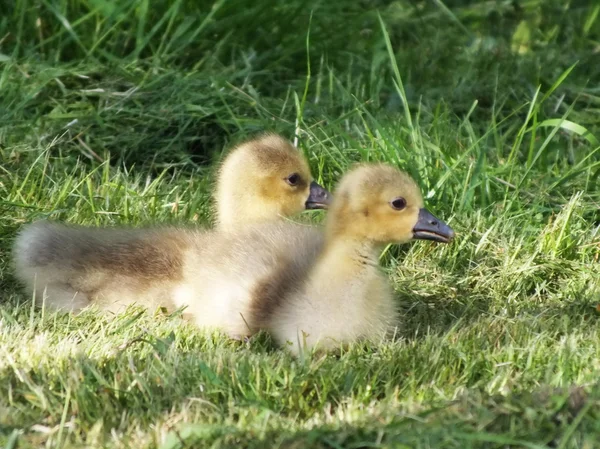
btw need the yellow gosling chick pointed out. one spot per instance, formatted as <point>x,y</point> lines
<point>71,267</point>
<point>264,179</point>
<point>344,296</point>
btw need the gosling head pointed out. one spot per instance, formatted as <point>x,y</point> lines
<point>380,204</point>
<point>265,179</point>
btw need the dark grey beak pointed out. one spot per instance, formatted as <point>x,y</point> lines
<point>318,197</point>
<point>430,228</point>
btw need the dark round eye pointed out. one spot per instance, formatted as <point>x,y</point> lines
<point>398,204</point>
<point>293,179</point>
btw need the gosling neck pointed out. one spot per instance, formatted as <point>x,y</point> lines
<point>351,255</point>
<point>235,209</point>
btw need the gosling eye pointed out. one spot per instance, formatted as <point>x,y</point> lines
<point>398,203</point>
<point>293,179</point>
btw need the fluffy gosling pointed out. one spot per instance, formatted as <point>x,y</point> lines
<point>71,267</point>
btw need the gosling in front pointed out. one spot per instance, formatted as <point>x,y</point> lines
<point>343,296</point>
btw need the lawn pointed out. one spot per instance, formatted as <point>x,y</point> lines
<point>117,113</point>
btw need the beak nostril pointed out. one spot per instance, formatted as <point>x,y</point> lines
<point>434,223</point>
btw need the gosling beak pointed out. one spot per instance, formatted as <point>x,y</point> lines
<point>318,197</point>
<point>430,228</point>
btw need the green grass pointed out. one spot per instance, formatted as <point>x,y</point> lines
<point>116,112</point>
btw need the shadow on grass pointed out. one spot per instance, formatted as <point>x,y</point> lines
<point>545,418</point>
<point>433,315</point>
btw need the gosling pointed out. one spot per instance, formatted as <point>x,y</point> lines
<point>343,296</point>
<point>71,267</point>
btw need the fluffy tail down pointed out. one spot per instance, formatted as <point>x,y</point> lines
<point>64,264</point>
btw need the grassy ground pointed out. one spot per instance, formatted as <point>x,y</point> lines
<point>115,112</point>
